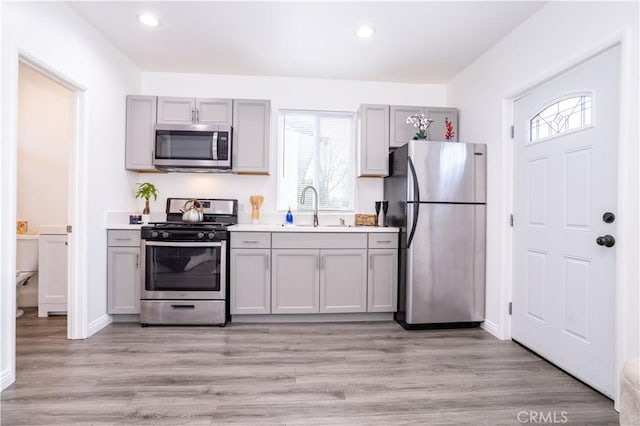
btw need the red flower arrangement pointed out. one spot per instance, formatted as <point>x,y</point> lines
<point>449,126</point>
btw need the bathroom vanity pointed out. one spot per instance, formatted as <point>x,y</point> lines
<point>52,266</point>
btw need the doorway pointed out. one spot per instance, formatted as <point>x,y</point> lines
<point>76,320</point>
<point>44,137</point>
<point>565,199</point>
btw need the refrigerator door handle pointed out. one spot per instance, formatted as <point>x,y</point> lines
<point>414,178</point>
<point>416,202</point>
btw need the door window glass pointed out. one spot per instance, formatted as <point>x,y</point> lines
<point>561,117</point>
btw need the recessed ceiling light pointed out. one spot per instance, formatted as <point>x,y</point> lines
<point>365,31</point>
<point>148,19</point>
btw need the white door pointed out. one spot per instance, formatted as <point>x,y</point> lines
<point>564,184</point>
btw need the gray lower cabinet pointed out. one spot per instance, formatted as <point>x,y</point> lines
<point>373,140</point>
<point>343,280</point>
<point>250,281</point>
<point>295,281</point>
<point>140,133</point>
<point>311,273</point>
<point>319,281</point>
<point>123,272</point>
<point>383,280</point>
<point>251,136</point>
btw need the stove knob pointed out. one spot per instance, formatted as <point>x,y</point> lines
<point>154,234</point>
<point>211,235</point>
<point>200,235</point>
<point>165,235</point>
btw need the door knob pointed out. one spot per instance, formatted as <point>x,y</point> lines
<point>606,240</point>
<point>608,217</point>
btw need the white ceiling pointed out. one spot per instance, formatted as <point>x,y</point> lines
<point>415,42</point>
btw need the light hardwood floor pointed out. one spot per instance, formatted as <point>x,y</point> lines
<point>349,373</point>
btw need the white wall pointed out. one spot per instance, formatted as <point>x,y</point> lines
<point>44,136</point>
<point>284,93</point>
<point>553,39</point>
<point>54,36</point>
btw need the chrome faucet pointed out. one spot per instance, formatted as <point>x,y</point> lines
<point>315,204</point>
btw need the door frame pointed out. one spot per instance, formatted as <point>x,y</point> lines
<point>625,163</point>
<point>77,288</point>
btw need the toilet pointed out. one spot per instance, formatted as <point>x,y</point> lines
<point>26,262</point>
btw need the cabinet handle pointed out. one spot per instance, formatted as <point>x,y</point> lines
<point>197,116</point>
<point>193,115</point>
<point>123,239</point>
<point>370,261</point>
<point>384,241</point>
<point>137,261</point>
<point>250,241</point>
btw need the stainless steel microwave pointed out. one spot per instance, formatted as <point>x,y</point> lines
<point>192,147</point>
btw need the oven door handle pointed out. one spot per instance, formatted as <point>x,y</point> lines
<point>181,244</point>
<point>183,306</point>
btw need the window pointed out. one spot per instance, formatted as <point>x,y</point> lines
<point>561,117</point>
<point>316,148</point>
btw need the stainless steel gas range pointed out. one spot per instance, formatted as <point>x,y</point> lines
<point>184,278</point>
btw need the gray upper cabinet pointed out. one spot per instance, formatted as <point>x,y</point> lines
<point>215,112</point>
<point>373,140</point>
<point>173,110</point>
<point>401,132</point>
<point>437,131</point>
<point>176,110</point>
<point>140,133</point>
<point>251,136</point>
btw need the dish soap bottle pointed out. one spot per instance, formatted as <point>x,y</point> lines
<point>289,217</point>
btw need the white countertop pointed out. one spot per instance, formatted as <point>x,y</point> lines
<point>123,226</point>
<point>308,228</point>
<point>53,230</point>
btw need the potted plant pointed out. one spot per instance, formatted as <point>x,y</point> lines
<point>146,190</point>
<point>422,123</point>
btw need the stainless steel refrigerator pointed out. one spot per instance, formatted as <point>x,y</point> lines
<point>437,194</point>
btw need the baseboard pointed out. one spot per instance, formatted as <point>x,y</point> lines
<point>284,318</point>
<point>491,328</point>
<point>6,378</point>
<point>126,317</point>
<point>99,324</point>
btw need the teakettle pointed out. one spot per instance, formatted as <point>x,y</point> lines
<point>192,211</point>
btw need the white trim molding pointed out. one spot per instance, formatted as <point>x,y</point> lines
<point>6,378</point>
<point>98,324</point>
<point>626,306</point>
<point>492,328</point>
